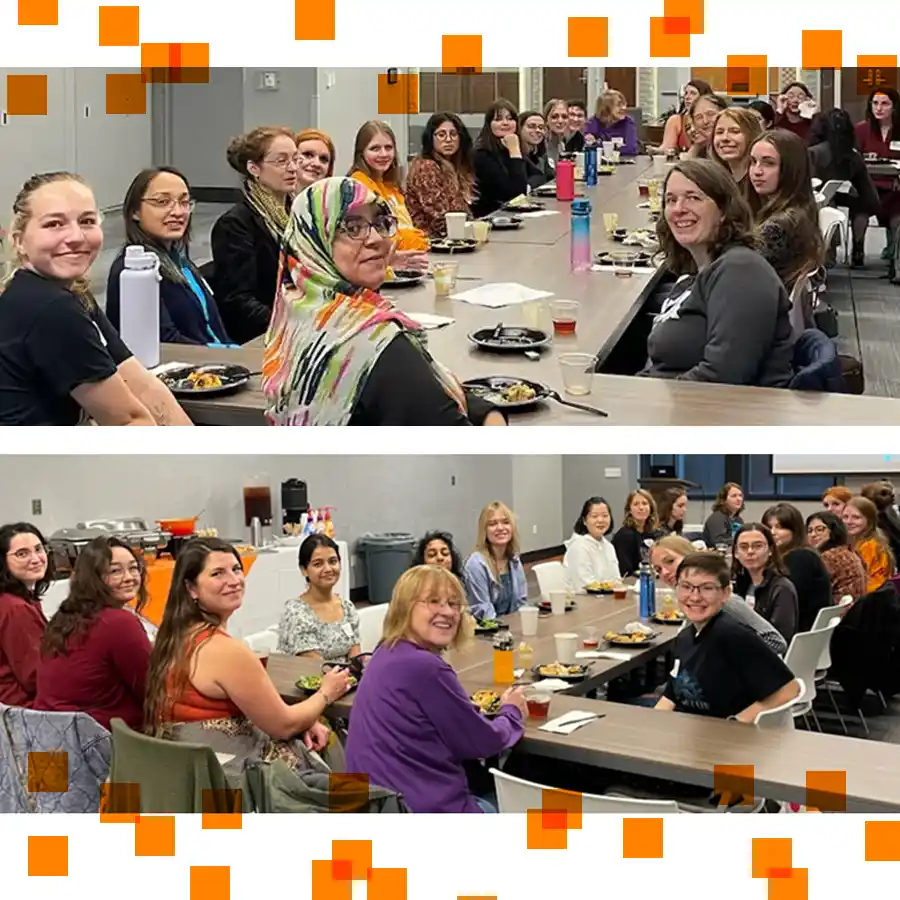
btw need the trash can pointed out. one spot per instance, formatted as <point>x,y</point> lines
<point>387,557</point>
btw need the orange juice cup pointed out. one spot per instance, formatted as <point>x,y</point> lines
<point>504,666</point>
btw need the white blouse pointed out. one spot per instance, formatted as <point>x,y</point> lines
<point>588,561</point>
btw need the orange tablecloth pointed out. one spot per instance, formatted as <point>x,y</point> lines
<point>159,582</point>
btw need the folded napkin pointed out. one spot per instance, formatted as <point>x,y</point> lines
<point>603,654</point>
<point>495,295</point>
<point>429,321</point>
<point>536,214</point>
<point>554,684</point>
<point>569,722</point>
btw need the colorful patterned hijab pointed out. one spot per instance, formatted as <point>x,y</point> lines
<point>327,334</point>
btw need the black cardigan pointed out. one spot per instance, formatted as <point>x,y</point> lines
<point>246,260</point>
<point>775,599</point>
<point>812,582</point>
<point>630,549</point>
<point>498,179</point>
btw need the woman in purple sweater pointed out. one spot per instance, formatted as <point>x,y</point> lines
<point>611,122</point>
<point>413,724</point>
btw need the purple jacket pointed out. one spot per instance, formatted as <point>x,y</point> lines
<point>625,128</point>
<point>412,726</point>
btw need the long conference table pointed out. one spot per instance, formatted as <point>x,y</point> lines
<point>537,255</point>
<point>641,741</point>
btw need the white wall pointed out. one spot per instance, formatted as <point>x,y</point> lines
<point>537,500</point>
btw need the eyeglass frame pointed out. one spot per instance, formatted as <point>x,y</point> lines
<point>170,203</point>
<point>363,236</point>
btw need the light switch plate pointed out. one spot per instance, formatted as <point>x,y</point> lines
<point>612,472</point>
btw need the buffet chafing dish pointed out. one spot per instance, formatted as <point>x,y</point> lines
<point>66,544</point>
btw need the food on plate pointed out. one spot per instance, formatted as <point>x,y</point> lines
<point>521,200</point>
<point>206,532</point>
<point>640,237</point>
<point>201,381</point>
<point>489,624</point>
<point>487,701</point>
<point>637,628</point>
<point>669,615</point>
<point>620,638</point>
<point>600,586</point>
<point>314,682</point>
<point>519,393</point>
<point>558,670</point>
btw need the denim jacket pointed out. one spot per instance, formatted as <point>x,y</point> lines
<point>483,588</point>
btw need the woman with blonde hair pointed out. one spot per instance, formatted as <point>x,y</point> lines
<point>610,121</point>
<point>61,360</point>
<point>375,165</point>
<point>495,578</point>
<point>861,518</point>
<point>556,115</point>
<point>734,132</point>
<point>414,724</point>
<point>641,524</point>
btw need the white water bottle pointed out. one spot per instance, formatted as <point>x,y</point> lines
<point>139,305</point>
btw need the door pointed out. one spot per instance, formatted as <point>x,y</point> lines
<point>624,80</point>
<point>564,84</point>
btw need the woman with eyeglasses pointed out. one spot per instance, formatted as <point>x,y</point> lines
<point>157,213</point>
<point>828,535</point>
<point>95,652</point>
<point>538,167</point>
<point>246,240</point>
<point>338,352</point>
<point>24,579</point>
<point>414,725</point>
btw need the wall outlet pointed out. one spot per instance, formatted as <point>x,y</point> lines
<point>37,507</point>
<point>452,481</point>
<point>534,529</point>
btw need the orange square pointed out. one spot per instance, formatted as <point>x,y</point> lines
<point>357,854</point>
<point>747,75</point>
<point>821,49</point>
<point>460,53</point>
<point>154,836</point>
<point>769,854</point>
<point>348,792</point>
<point>732,782</point>
<point>588,36</point>
<point>398,94</point>
<point>539,837</point>
<point>688,9</point>
<point>26,95</point>
<point>569,802</point>
<point>794,888</point>
<point>386,884</point>
<point>48,773</point>
<point>48,856</point>
<point>642,838</point>
<point>325,886</point>
<point>314,21</point>
<point>882,841</point>
<point>120,804</point>
<point>39,12</point>
<point>120,26</point>
<point>827,791</point>
<point>210,883</point>
<point>221,810</point>
<point>126,94</point>
<point>664,44</point>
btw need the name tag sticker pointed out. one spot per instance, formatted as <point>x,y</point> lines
<point>675,668</point>
<point>348,629</point>
<point>895,146</point>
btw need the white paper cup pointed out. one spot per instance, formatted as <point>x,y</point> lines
<point>528,620</point>
<point>607,148</point>
<point>566,647</point>
<point>456,226</point>
<point>558,602</point>
<point>618,142</point>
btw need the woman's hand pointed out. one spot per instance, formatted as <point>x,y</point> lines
<point>409,260</point>
<point>335,684</point>
<point>511,142</point>
<point>494,418</point>
<point>590,140</point>
<point>515,697</point>
<point>317,737</point>
<point>781,104</point>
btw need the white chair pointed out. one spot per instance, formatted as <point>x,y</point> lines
<point>801,316</point>
<point>551,576</point>
<point>816,183</point>
<point>265,642</point>
<point>802,658</point>
<point>832,187</point>
<point>835,221</point>
<point>781,716</point>
<point>371,624</point>
<point>516,795</point>
<point>823,620</point>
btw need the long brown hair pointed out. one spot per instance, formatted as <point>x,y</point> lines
<point>789,517</point>
<point>668,498</point>
<point>183,620</point>
<point>870,511</point>
<point>487,140</point>
<point>719,505</point>
<point>735,229</point>
<point>793,205</point>
<point>652,523</point>
<point>394,174</point>
<point>776,560</point>
<point>89,594</point>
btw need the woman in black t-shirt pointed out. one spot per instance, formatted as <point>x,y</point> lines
<point>641,524</point>
<point>500,172</point>
<point>60,359</point>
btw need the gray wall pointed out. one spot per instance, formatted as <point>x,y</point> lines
<point>588,476</point>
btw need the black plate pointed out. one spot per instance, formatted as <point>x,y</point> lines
<point>447,246</point>
<point>524,207</point>
<point>492,713</point>
<point>570,678</point>
<point>620,234</point>
<point>491,387</point>
<point>598,592</point>
<point>506,223</point>
<point>642,259</point>
<point>405,278</point>
<point>233,377</point>
<point>668,621</point>
<point>650,638</point>
<point>510,338</point>
<point>481,629</point>
<point>311,690</point>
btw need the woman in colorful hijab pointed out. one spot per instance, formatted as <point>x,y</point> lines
<point>337,352</point>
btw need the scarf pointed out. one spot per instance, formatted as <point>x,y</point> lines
<point>272,211</point>
<point>326,334</point>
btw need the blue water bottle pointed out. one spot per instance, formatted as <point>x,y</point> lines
<point>581,236</point>
<point>590,167</point>
<point>647,591</point>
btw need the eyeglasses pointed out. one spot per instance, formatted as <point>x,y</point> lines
<point>446,135</point>
<point>170,203</point>
<point>27,552</point>
<point>751,548</point>
<point>358,229</point>
<point>817,529</point>
<point>282,162</point>
<point>436,605</point>
<point>707,590</point>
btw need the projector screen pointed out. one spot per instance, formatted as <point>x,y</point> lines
<point>838,464</point>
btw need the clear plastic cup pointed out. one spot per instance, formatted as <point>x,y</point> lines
<point>481,230</point>
<point>610,222</point>
<point>538,703</point>
<point>623,263</point>
<point>564,315</point>
<point>577,373</point>
<point>445,275</point>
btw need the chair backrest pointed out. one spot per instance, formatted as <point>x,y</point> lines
<point>824,618</point>
<point>172,776</point>
<point>516,795</point>
<point>551,576</point>
<point>804,653</point>
<point>832,187</point>
<point>830,220</point>
<point>371,626</point>
<point>801,315</point>
<point>781,716</point>
<point>262,642</point>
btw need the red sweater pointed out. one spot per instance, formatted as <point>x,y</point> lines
<point>22,625</point>
<point>103,674</point>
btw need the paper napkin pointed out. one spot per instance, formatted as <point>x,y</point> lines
<point>604,654</point>
<point>429,321</point>
<point>500,294</point>
<point>569,722</point>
